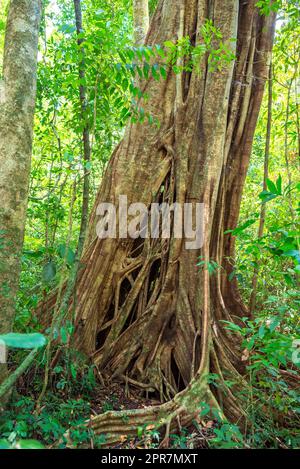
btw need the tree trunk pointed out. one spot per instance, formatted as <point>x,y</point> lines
<point>145,311</point>
<point>17,99</point>
<point>86,131</point>
<point>141,20</point>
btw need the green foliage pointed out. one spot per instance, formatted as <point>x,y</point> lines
<point>269,352</point>
<point>280,242</point>
<point>11,443</point>
<point>227,436</point>
<point>267,6</point>
<point>49,271</point>
<point>73,375</point>
<point>183,56</point>
<point>211,266</point>
<point>59,423</point>
<point>268,341</point>
<point>274,190</point>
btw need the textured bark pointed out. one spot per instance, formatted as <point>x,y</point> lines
<point>86,131</point>
<point>141,20</point>
<point>145,313</point>
<point>17,99</point>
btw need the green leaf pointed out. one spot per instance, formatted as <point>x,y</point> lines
<point>204,409</point>
<point>67,28</point>
<point>34,254</point>
<point>271,186</point>
<point>245,225</point>
<point>163,73</point>
<point>4,444</point>
<point>279,185</point>
<point>67,254</point>
<point>24,341</point>
<point>64,335</point>
<point>73,371</point>
<point>266,196</point>
<point>170,44</point>
<point>124,113</point>
<point>232,326</point>
<point>274,323</point>
<point>295,253</point>
<point>261,331</point>
<point>146,69</point>
<point>140,432</point>
<point>49,272</point>
<point>155,74</point>
<point>29,444</point>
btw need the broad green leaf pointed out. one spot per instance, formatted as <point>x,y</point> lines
<point>34,254</point>
<point>146,69</point>
<point>245,225</point>
<point>4,444</point>
<point>29,444</point>
<point>170,44</point>
<point>261,331</point>
<point>271,186</point>
<point>279,185</point>
<point>163,72</point>
<point>64,335</point>
<point>266,196</point>
<point>67,254</point>
<point>155,74</point>
<point>49,272</point>
<point>23,341</point>
<point>295,253</point>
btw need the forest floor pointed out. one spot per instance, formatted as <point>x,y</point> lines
<point>115,396</point>
<point>62,419</point>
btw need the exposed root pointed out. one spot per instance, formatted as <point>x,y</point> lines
<point>117,424</point>
<point>181,411</point>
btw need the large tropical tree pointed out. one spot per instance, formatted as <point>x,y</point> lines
<point>145,311</point>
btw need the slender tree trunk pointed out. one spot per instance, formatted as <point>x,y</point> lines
<point>86,128</point>
<point>17,99</point>
<point>141,20</point>
<point>144,311</point>
<point>266,175</point>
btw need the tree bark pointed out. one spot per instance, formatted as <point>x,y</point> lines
<point>17,99</point>
<point>141,20</point>
<point>145,311</point>
<point>86,130</point>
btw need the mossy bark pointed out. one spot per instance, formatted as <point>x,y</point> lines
<point>141,20</point>
<point>17,101</point>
